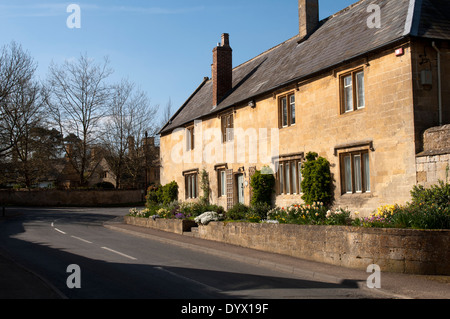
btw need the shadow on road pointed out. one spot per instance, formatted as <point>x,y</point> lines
<point>109,280</point>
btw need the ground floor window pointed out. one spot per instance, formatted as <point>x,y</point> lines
<point>289,177</point>
<point>222,182</point>
<point>355,172</point>
<point>191,185</point>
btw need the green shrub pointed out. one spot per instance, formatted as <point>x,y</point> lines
<point>258,211</point>
<point>204,185</point>
<point>316,180</point>
<point>153,195</point>
<point>424,216</point>
<point>169,193</point>
<point>195,209</point>
<point>262,183</point>
<point>429,209</point>
<point>438,195</point>
<point>237,212</point>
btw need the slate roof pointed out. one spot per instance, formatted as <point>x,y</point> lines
<point>339,38</point>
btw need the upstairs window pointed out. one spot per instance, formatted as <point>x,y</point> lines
<point>286,110</point>
<point>190,142</point>
<point>227,128</point>
<point>352,91</point>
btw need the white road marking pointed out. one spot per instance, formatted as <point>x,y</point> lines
<point>81,239</point>
<point>60,231</point>
<point>89,242</point>
<point>119,253</point>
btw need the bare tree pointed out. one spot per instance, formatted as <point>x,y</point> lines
<point>16,71</point>
<point>79,95</point>
<point>130,120</point>
<point>24,114</point>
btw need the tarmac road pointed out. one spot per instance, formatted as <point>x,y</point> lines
<point>118,261</point>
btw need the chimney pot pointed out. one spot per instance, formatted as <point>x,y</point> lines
<point>225,40</point>
<point>308,12</point>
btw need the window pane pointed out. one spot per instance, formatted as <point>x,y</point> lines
<point>224,129</point>
<point>189,187</point>
<point>366,172</point>
<point>348,174</point>
<point>223,183</point>
<point>292,107</point>
<point>360,87</point>
<point>348,93</point>
<point>358,174</point>
<point>284,112</point>
<point>230,131</point>
<point>188,140</point>
<point>294,178</point>
<point>288,178</point>
<point>281,173</point>
<point>194,186</point>
<point>299,177</point>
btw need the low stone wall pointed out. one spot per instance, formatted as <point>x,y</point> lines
<point>424,252</point>
<point>394,250</point>
<point>70,197</point>
<point>177,226</point>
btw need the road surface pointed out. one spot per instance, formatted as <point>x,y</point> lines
<point>72,250</point>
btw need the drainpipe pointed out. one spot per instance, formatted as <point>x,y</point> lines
<point>439,81</point>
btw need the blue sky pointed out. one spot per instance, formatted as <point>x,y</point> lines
<point>165,47</point>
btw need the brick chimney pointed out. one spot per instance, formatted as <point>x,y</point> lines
<point>222,69</point>
<point>308,14</point>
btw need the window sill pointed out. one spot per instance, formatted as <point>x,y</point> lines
<point>357,111</point>
<point>353,195</point>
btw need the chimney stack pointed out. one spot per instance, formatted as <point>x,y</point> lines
<point>308,13</point>
<point>222,69</point>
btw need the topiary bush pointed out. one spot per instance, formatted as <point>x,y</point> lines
<point>316,180</point>
<point>262,183</point>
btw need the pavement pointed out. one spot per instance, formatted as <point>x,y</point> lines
<point>17,282</point>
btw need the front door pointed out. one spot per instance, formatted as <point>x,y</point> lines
<point>240,188</point>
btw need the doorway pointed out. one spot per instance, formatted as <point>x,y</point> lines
<point>240,188</point>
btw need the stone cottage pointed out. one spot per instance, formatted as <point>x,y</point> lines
<point>359,88</point>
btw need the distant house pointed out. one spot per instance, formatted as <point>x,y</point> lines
<point>144,161</point>
<point>359,88</point>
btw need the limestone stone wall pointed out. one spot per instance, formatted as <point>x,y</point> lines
<point>167,225</point>
<point>76,198</point>
<point>394,250</point>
